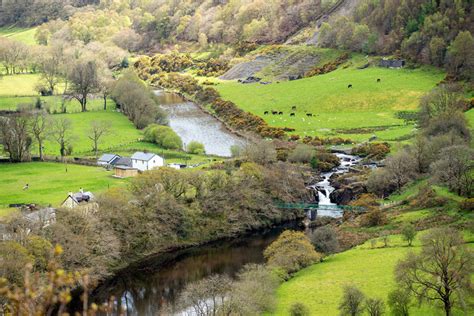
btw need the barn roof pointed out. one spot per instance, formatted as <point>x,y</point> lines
<point>143,156</point>
<point>108,157</point>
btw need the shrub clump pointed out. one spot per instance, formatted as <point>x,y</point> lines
<point>467,205</point>
<point>163,136</point>
<point>291,252</point>
<point>196,148</point>
<point>372,150</point>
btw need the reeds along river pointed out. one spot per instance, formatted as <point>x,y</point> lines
<point>191,123</point>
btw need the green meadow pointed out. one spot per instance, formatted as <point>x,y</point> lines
<point>19,85</point>
<point>25,35</point>
<point>49,183</point>
<point>320,286</point>
<point>338,110</point>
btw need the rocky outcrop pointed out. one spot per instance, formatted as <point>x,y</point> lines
<point>348,186</point>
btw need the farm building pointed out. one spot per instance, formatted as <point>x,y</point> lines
<point>392,63</point>
<point>125,172</point>
<point>107,160</point>
<point>75,199</point>
<point>177,166</point>
<point>146,161</point>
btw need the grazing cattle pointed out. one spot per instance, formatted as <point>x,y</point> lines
<point>309,114</point>
<point>274,112</point>
<point>349,86</point>
<point>293,108</point>
<point>265,113</point>
<point>280,113</point>
<point>292,114</point>
<point>378,80</point>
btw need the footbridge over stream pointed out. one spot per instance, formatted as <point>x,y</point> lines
<point>320,207</point>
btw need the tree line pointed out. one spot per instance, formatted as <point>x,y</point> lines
<point>430,32</point>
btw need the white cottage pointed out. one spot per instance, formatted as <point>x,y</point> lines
<point>107,160</point>
<point>146,161</point>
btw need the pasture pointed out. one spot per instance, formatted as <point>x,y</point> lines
<point>25,35</point>
<point>319,286</point>
<point>54,103</point>
<point>49,183</point>
<point>367,108</point>
<point>19,85</point>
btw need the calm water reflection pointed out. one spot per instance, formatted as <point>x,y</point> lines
<point>191,123</point>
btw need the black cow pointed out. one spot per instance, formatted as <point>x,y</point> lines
<point>349,86</point>
<point>274,112</point>
<point>293,107</point>
<point>280,113</point>
<point>309,114</point>
<point>292,114</point>
<point>378,80</point>
<point>265,113</point>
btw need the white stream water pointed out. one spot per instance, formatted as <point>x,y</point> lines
<point>324,187</point>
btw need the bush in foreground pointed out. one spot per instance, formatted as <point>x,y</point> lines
<point>163,136</point>
<point>292,251</point>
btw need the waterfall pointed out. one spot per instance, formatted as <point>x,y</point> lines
<point>324,187</point>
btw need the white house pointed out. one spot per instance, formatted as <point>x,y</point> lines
<point>146,161</point>
<point>107,160</point>
<point>75,199</point>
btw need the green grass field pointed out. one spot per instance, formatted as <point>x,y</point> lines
<point>50,182</point>
<point>53,103</point>
<point>121,131</point>
<point>336,109</point>
<point>25,35</point>
<point>19,85</point>
<point>319,287</point>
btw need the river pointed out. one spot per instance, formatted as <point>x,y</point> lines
<point>153,286</point>
<point>191,123</point>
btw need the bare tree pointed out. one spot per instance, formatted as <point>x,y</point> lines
<point>454,169</point>
<point>401,167</point>
<point>51,65</point>
<point>441,272</point>
<point>39,124</point>
<point>62,134</point>
<point>15,136</point>
<point>97,130</point>
<point>375,306</point>
<point>84,80</point>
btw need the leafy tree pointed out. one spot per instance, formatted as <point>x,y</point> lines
<point>441,272</point>
<point>291,251</point>
<point>461,57</point>
<point>375,306</point>
<point>352,301</point>
<point>14,258</point>
<point>454,169</point>
<point>409,233</point>
<point>299,309</point>
<point>399,301</point>
<point>195,147</point>
<point>164,136</point>
<point>325,240</point>
<point>39,249</point>
<point>84,80</point>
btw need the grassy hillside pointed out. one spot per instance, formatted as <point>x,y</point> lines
<point>25,35</point>
<point>19,85</point>
<point>50,182</point>
<point>338,110</point>
<point>319,287</point>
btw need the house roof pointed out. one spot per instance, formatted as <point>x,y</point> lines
<point>123,162</point>
<point>108,157</point>
<point>43,214</point>
<point>143,156</point>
